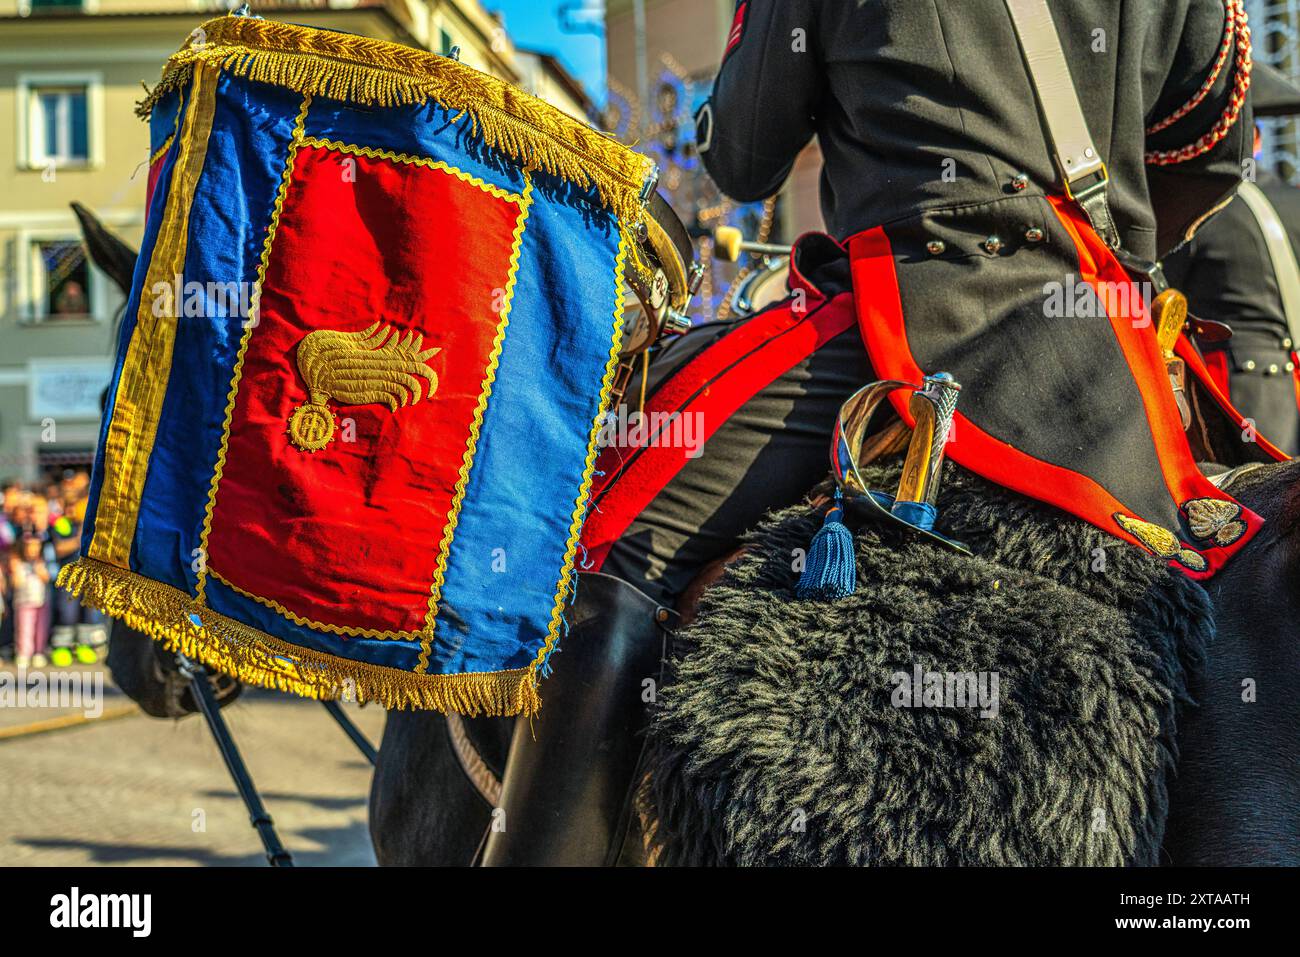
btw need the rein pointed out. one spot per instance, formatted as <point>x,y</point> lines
<point>276,853</point>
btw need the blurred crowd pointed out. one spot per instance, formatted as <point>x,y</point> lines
<point>40,532</point>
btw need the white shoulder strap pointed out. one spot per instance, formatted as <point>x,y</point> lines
<point>1082,170</point>
<point>1280,253</point>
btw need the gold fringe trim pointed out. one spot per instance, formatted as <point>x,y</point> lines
<point>166,614</point>
<point>379,73</point>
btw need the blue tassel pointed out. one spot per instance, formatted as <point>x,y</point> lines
<point>830,571</point>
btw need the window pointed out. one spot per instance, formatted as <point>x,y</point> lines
<point>61,284</point>
<point>35,7</point>
<point>445,43</point>
<point>60,120</point>
<point>61,125</point>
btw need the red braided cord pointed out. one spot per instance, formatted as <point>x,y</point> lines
<point>1240,86</point>
<point>1229,34</point>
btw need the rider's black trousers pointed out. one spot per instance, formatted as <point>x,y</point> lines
<point>744,418</point>
<point>757,399</point>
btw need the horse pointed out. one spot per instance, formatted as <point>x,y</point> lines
<point>1235,797</point>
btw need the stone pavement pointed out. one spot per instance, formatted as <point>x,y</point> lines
<point>138,790</point>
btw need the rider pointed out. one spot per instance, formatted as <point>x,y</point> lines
<point>1228,274</point>
<point>940,190</point>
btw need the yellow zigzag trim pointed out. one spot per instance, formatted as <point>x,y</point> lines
<point>167,144</point>
<point>297,619</point>
<point>171,138</point>
<point>471,446</point>
<point>379,73</point>
<point>580,505</point>
<point>164,614</point>
<point>250,323</point>
<point>426,161</point>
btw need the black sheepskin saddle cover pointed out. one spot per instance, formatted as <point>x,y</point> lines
<point>782,736</point>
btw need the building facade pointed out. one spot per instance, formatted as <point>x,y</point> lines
<point>70,74</point>
<point>690,35</point>
<point>1275,36</point>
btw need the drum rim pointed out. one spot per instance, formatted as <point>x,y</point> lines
<point>531,132</point>
<point>358,69</point>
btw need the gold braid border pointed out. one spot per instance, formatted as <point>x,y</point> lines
<point>581,504</point>
<point>164,614</point>
<point>379,73</point>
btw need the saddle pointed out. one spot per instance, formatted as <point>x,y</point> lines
<point>781,737</point>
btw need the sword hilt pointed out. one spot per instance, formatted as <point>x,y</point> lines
<point>1169,313</point>
<point>933,406</point>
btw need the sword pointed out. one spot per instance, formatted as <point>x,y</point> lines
<point>933,406</point>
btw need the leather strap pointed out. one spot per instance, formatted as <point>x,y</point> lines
<point>1280,252</point>
<point>1083,174</point>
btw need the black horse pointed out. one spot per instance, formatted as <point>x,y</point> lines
<point>1235,799</point>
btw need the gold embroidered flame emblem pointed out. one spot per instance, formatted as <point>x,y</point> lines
<point>1216,520</point>
<point>1163,542</point>
<point>377,364</point>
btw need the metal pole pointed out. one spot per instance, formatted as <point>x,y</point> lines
<point>276,855</point>
<point>352,731</point>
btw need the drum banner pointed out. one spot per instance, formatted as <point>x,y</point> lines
<point>352,424</point>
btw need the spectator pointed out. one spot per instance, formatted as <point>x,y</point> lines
<point>4,592</point>
<point>78,630</point>
<point>12,495</point>
<point>29,577</point>
<point>49,514</point>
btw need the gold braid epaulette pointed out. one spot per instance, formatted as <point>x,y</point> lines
<point>379,73</point>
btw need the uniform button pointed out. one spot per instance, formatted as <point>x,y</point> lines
<point>1286,343</point>
<point>936,247</point>
<point>993,245</point>
<point>1034,234</point>
<point>1019,181</point>
<point>1290,367</point>
<point>1249,365</point>
<point>1273,369</point>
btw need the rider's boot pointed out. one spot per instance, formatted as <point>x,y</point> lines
<point>569,781</point>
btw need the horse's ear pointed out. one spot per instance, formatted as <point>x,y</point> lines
<point>107,251</point>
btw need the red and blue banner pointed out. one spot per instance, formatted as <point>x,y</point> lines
<point>352,425</point>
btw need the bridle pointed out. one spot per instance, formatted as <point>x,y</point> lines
<point>194,677</point>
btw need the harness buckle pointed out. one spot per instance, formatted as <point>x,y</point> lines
<point>1082,186</point>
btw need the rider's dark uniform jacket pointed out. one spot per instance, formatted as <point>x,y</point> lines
<point>1227,274</point>
<point>966,256</point>
<point>920,105</point>
<point>1052,405</point>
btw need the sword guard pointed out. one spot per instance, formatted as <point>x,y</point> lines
<point>933,405</point>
